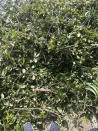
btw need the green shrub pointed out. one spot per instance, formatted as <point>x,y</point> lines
<point>51,45</point>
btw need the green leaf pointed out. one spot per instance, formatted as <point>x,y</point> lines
<point>2,96</point>
<point>22,86</point>
<point>90,89</point>
<point>93,87</point>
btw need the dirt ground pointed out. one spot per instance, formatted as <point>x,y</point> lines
<point>84,125</point>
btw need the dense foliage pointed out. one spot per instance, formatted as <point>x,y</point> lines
<point>51,45</point>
